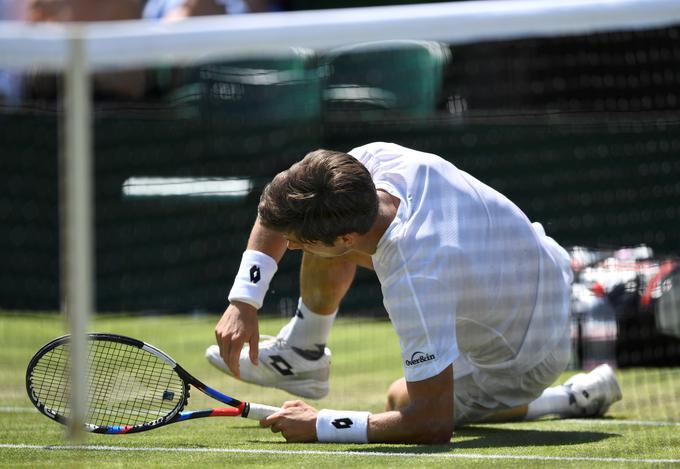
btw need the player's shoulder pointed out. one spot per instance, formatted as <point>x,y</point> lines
<point>375,148</point>
<point>386,151</point>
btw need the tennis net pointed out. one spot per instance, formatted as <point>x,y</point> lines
<point>571,109</point>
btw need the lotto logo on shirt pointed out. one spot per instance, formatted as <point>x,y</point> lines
<point>419,357</point>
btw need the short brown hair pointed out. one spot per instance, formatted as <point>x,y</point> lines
<point>326,195</point>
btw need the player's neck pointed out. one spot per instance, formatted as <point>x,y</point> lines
<point>387,211</point>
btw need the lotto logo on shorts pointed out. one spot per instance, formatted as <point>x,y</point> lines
<point>419,357</point>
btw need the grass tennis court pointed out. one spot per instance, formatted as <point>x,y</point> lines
<point>643,430</point>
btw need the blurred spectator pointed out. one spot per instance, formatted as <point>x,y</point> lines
<point>83,10</point>
<point>129,84</point>
<point>178,9</point>
<point>10,81</point>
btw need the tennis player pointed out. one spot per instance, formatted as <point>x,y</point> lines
<point>478,295</point>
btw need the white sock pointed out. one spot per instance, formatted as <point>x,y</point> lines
<point>554,401</point>
<point>307,329</point>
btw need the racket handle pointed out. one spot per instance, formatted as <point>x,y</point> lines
<point>260,411</point>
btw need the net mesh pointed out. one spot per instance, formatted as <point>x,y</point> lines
<point>579,127</point>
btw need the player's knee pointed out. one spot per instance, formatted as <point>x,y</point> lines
<point>397,395</point>
<point>321,301</point>
<point>324,282</point>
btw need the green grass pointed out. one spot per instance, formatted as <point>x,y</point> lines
<point>365,361</point>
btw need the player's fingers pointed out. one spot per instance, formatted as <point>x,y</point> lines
<point>275,428</point>
<point>254,348</point>
<point>224,349</point>
<point>233,356</point>
<point>289,404</point>
<point>270,419</point>
<point>266,422</point>
<point>223,343</point>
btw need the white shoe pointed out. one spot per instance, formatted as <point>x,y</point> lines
<point>301,372</point>
<point>594,392</point>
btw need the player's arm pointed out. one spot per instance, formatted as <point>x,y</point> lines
<point>238,325</point>
<point>267,241</point>
<point>428,418</point>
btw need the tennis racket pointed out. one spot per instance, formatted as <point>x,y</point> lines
<point>132,387</point>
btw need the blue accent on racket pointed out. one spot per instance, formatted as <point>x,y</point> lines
<point>133,387</point>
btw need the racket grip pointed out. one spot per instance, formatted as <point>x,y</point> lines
<point>260,411</point>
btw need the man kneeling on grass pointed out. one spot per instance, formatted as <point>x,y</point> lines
<point>478,295</point>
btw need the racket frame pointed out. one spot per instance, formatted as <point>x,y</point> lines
<point>238,408</point>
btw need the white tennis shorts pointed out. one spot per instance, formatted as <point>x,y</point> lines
<point>479,393</point>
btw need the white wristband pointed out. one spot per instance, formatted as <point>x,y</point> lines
<point>342,426</point>
<point>253,277</point>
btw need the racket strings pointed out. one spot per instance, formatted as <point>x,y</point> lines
<point>130,386</point>
<point>126,385</point>
<point>51,380</point>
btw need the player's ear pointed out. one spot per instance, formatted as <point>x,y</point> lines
<point>348,239</point>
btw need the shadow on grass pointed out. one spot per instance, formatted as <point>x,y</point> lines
<point>485,437</point>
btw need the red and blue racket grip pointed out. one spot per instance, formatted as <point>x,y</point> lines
<point>180,417</point>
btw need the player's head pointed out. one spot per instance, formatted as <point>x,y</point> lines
<point>326,195</point>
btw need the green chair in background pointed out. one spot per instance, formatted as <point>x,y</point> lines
<point>281,88</point>
<point>402,77</point>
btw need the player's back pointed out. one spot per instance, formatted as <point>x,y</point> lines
<point>492,267</point>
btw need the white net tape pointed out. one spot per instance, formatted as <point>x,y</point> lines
<point>117,44</point>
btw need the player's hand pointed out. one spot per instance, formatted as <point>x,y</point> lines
<point>296,421</point>
<point>237,326</point>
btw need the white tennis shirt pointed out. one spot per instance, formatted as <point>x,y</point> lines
<point>462,269</point>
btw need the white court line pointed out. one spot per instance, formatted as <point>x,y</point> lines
<point>366,454</point>
<point>643,423</point>
<point>16,409</point>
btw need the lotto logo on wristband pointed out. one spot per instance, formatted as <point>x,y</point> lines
<point>342,426</point>
<point>255,274</point>
<point>252,280</point>
<point>342,423</point>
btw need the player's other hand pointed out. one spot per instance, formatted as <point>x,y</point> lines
<point>296,421</point>
<point>237,326</point>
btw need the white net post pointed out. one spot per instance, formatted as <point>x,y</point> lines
<point>77,222</point>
